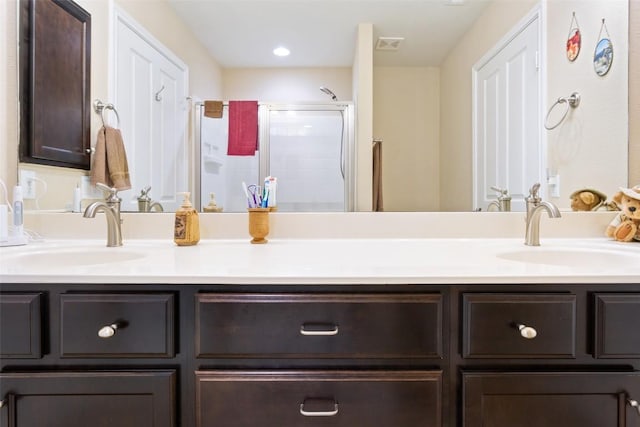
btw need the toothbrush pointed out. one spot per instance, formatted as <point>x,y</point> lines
<point>246,193</point>
<point>265,193</point>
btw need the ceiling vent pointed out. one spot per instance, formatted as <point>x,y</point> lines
<point>389,43</point>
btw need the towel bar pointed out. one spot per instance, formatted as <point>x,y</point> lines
<point>99,107</point>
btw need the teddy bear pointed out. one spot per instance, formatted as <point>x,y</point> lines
<point>625,227</point>
<point>587,200</point>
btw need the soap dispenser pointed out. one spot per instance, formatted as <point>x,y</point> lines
<point>187,225</point>
<point>212,206</point>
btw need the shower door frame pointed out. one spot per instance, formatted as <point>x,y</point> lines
<point>348,133</point>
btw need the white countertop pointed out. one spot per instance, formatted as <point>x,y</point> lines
<point>324,261</point>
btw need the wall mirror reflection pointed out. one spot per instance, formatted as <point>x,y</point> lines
<point>419,75</point>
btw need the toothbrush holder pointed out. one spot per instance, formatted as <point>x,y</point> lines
<point>258,224</point>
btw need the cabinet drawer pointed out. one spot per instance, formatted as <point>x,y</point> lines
<point>312,398</point>
<point>617,322</point>
<point>117,325</point>
<point>519,325</point>
<point>134,398</point>
<point>319,325</point>
<point>21,326</point>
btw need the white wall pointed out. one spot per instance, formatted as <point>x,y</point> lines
<point>584,152</point>
<point>363,98</point>
<point>285,84</point>
<point>406,116</point>
<point>587,147</point>
<point>456,192</point>
<point>8,96</point>
<point>634,93</point>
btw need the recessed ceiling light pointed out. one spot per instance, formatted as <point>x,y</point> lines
<point>281,51</point>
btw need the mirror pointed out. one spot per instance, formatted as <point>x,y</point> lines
<point>426,160</point>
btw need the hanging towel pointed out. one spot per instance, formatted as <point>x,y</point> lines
<point>243,128</point>
<point>377,177</point>
<point>110,165</point>
<point>213,109</point>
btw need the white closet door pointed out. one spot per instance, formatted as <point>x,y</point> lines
<point>507,134</point>
<point>150,95</point>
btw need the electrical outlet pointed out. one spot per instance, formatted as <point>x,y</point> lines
<point>28,184</point>
<point>554,185</point>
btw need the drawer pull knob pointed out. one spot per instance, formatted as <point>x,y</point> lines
<point>108,331</point>
<point>635,404</point>
<point>333,330</point>
<point>10,402</point>
<point>319,413</point>
<point>527,331</point>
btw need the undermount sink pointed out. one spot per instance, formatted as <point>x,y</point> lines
<point>73,257</point>
<point>573,257</point>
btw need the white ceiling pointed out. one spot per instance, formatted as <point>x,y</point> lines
<point>322,33</point>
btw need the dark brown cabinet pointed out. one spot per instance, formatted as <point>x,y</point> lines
<point>319,325</point>
<point>197,355</point>
<point>55,70</point>
<point>81,399</point>
<point>327,398</point>
<point>519,325</point>
<point>551,399</point>
<point>20,325</point>
<point>117,325</point>
<point>617,322</point>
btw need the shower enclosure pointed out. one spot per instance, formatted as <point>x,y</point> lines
<point>307,147</point>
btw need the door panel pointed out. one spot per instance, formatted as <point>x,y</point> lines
<point>507,144</point>
<point>21,325</point>
<point>81,399</point>
<point>150,96</point>
<point>546,399</point>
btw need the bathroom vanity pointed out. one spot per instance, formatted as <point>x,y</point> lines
<point>351,332</point>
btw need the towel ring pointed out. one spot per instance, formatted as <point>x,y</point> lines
<point>99,107</point>
<point>572,102</point>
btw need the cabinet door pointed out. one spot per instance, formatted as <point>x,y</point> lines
<point>20,326</point>
<point>617,316</point>
<point>544,399</point>
<point>55,99</point>
<point>313,398</point>
<point>82,399</point>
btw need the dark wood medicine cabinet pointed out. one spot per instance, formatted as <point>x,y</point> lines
<point>55,69</point>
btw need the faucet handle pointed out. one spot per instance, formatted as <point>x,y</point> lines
<point>502,194</point>
<point>113,192</point>
<point>534,193</point>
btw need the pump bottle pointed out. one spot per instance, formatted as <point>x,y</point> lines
<point>187,225</point>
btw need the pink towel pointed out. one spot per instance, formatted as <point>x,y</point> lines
<point>243,128</point>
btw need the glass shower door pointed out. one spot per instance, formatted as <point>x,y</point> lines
<point>307,148</point>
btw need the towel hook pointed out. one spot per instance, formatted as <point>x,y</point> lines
<point>572,102</point>
<point>158,96</point>
<point>99,107</point>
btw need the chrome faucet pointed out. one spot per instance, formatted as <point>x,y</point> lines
<point>503,202</point>
<point>535,206</point>
<point>145,204</point>
<point>111,209</point>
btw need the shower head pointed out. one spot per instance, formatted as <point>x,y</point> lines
<point>329,92</point>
